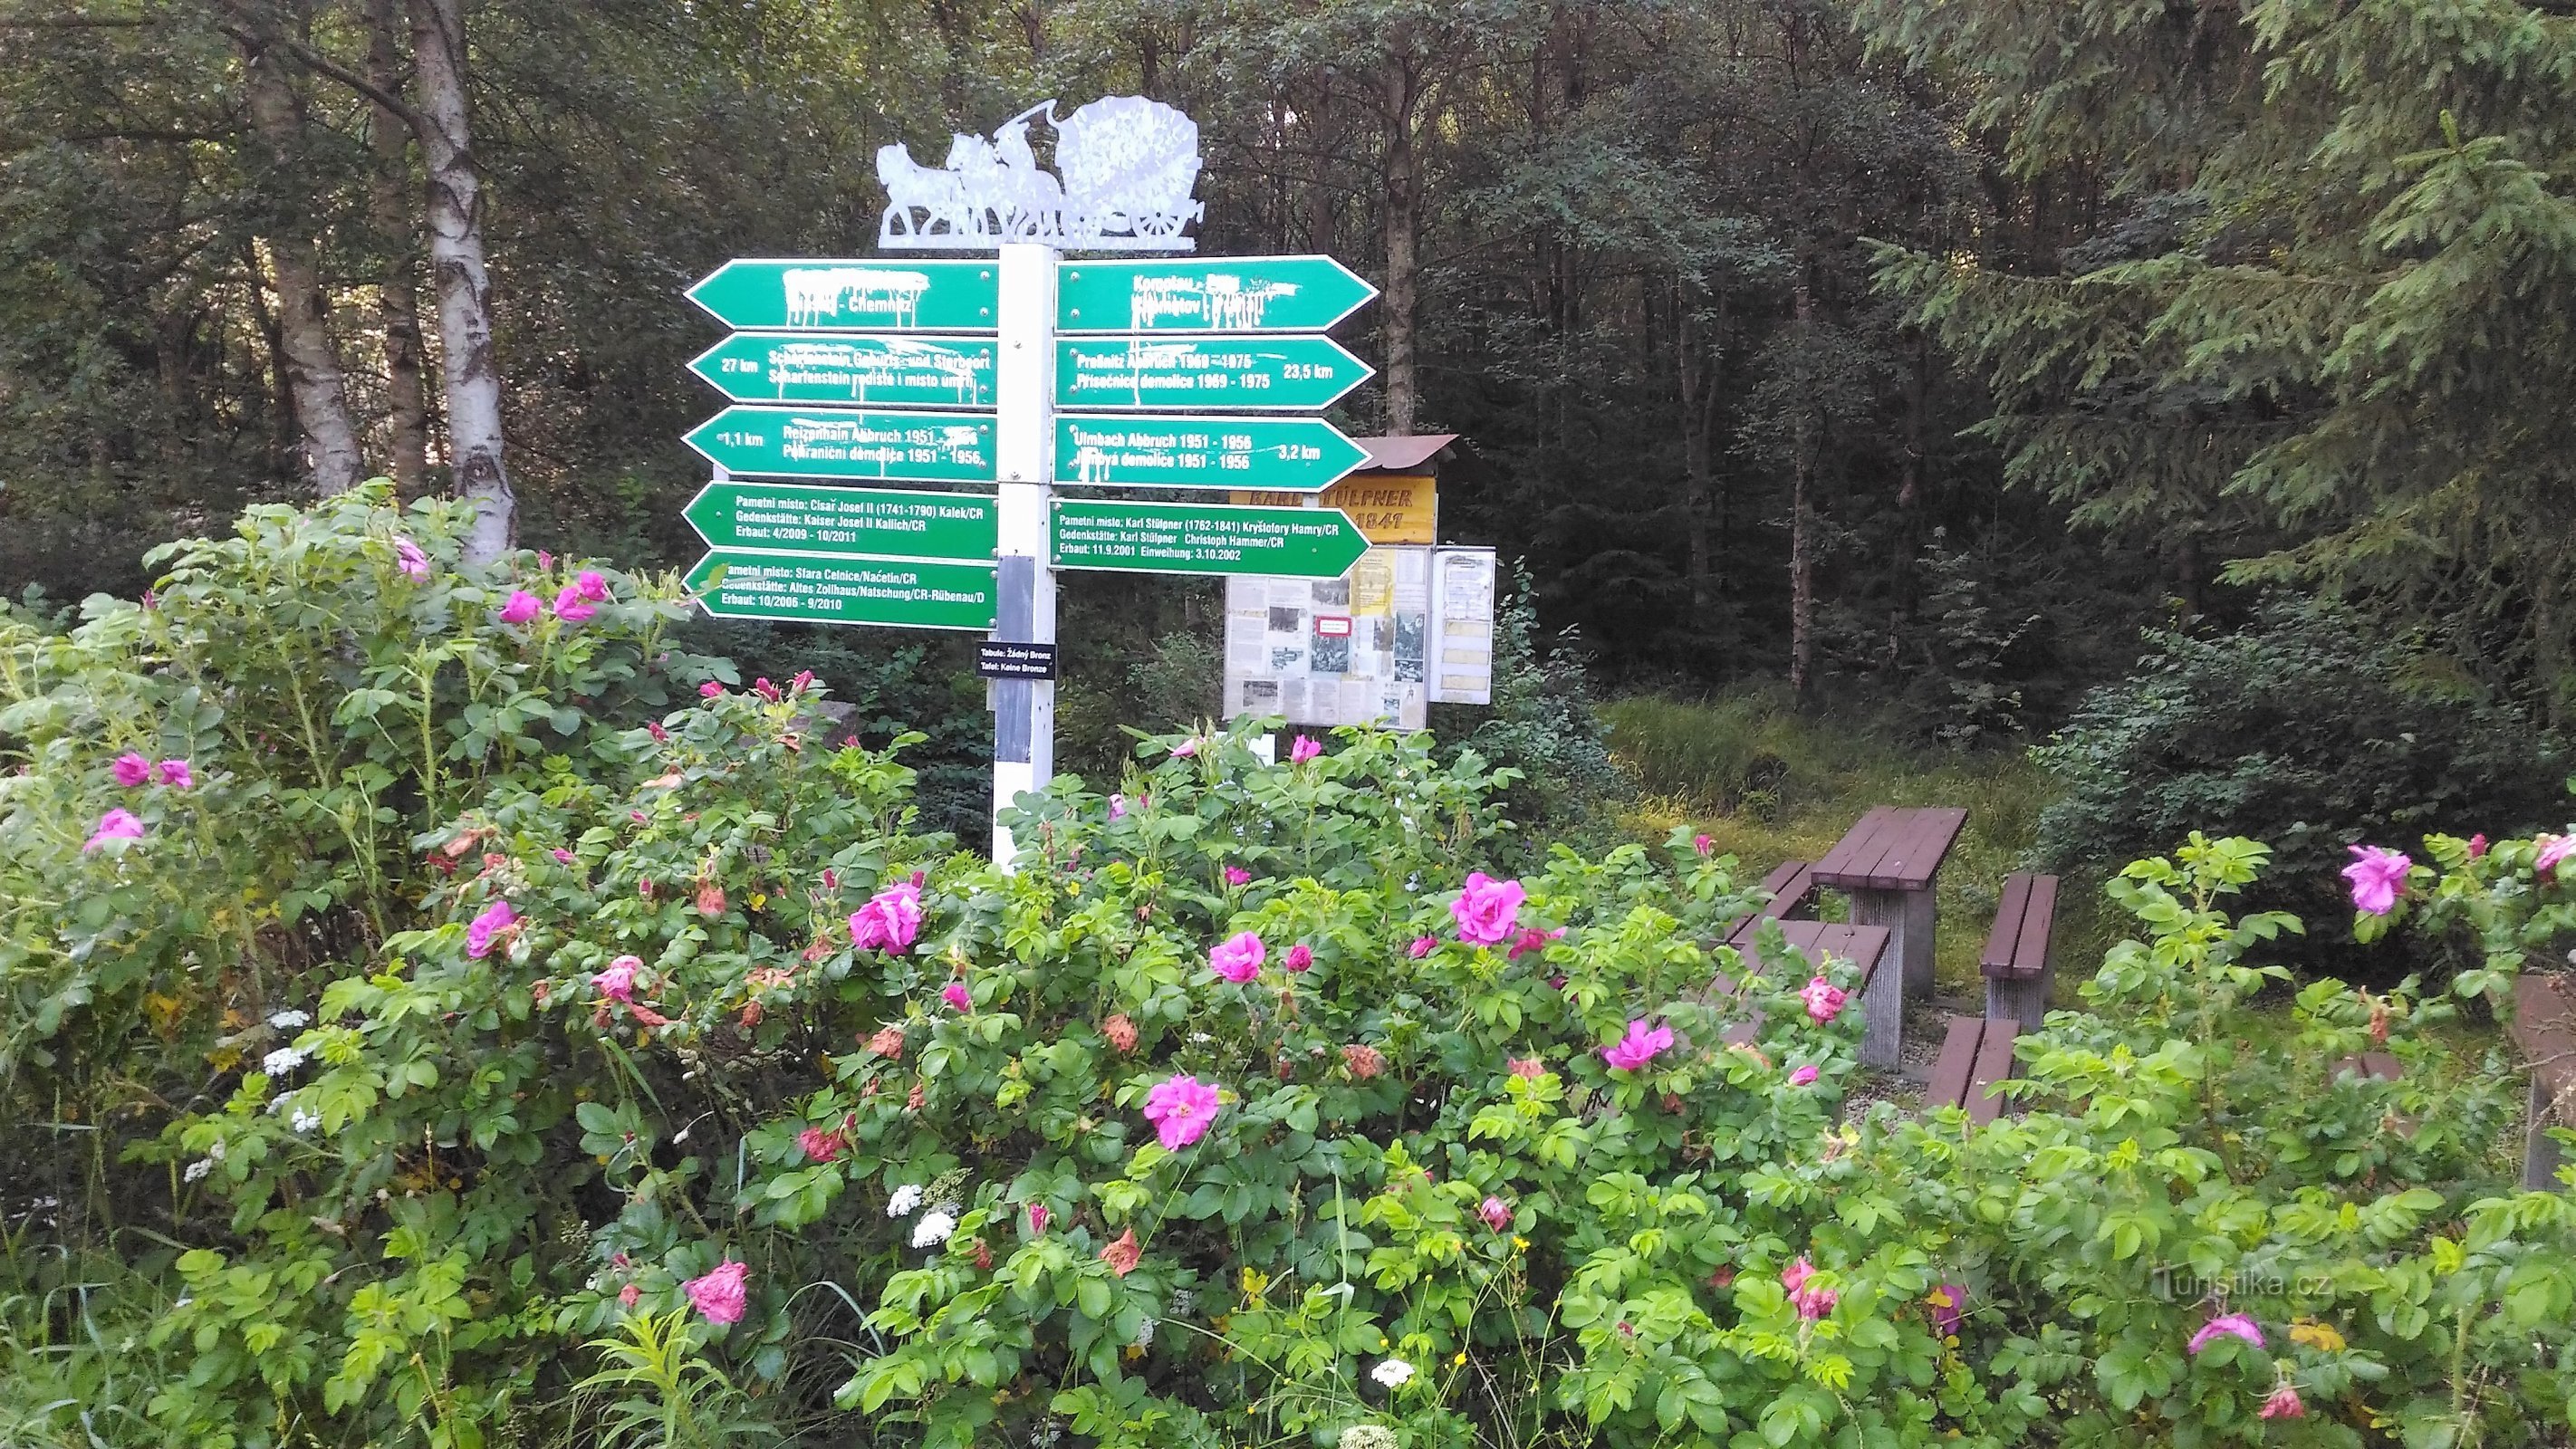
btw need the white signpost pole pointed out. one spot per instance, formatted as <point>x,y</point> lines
<point>1024,453</point>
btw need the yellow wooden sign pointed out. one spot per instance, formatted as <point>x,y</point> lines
<point>1388,507</point>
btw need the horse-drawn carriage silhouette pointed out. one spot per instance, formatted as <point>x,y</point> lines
<point>1126,168</point>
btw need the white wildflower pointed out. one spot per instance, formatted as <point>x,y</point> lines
<point>1393,1373</point>
<point>933,1229</point>
<point>281,1061</point>
<point>198,1169</point>
<point>215,1150</point>
<point>905,1199</point>
<point>290,1020</point>
<point>304,1121</point>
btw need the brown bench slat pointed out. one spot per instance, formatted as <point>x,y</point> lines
<point>1786,891</point>
<point>1914,856</point>
<point>2378,1065</point>
<point>1958,1059</point>
<point>2030,958</point>
<point>2544,1027</point>
<point>1862,838</point>
<point>1994,1065</point>
<point>1997,958</point>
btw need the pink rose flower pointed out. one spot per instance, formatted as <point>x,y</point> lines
<point>571,607</point>
<point>590,586</point>
<point>1638,1047</point>
<point>1528,1068</point>
<point>1421,947</point>
<point>891,919</point>
<point>820,1144</point>
<point>2284,1403</point>
<point>177,775</point>
<point>497,918</point>
<point>114,825</point>
<point>1117,806</point>
<point>1496,1213</point>
<point>2377,876</point>
<point>2478,846</point>
<point>1302,750</point>
<point>411,560</point>
<point>1299,958</point>
<point>545,560</point>
<point>521,607</point>
<point>1236,875</point>
<point>956,995</point>
<point>562,855</point>
<point>2236,1324</point>
<point>1533,939</point>
<point>1702,844</point>
<point>132,770</point>
<point>1803,1077</point>
<point>1824,999</point>
<point>1487,910</point>
<point>1186,749</point>
<point>2553,849</point>
<point>1038,1218</point>
<point>1811,1301</point>
<point>719,1297</point>
<point>629,1295</point>
<point>1180,1109</point>
<point>710,690</point>
<point>617,983</point>
<point>1238,960</point>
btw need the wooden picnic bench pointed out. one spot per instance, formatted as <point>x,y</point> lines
<point>1976,1058</point>
<point>2017,962</point>
<point>2544,1030</point>
<point>1888,864</point>
<point>1811,942</point>
<point>1788,893</point>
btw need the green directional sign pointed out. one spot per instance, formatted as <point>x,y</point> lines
<point>862,294</point>
<point>780,442</point>
<point>1292,455</point>
<point>1204,372</point>
<point>1196,538</point>
<point>866,367</point>
<point>816,519</point>
<point>1214,294</point>
<point>906,593</point>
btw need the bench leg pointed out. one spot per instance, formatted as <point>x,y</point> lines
<point>2025,1002</point>
<point>1907,915</point>
<point>2541,1157</point>
<point>1882,1005</point>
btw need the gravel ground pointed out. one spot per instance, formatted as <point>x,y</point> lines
<point>1925,1025</point>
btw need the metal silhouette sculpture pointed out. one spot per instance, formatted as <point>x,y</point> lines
<point>1125,169</point>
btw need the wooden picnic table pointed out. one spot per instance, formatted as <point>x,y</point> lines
<point>1812,942</point>
<point>1888,865</point>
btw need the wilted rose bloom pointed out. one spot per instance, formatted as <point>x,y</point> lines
<point>1181,1108</point>
<point>2377,876</point>
<point>2226,1325</point>
<point>719,1296</point>
<point>1496,1213</point>
<point>710,690</point>
<point>1299,958</point>
<point>1422,946</point>
<point>629,1294</point>
<point>520,608</point>
<point>2553,849</point>
<point>914,1099</point>
<point>496,919</point>
<point>1487,910</point>
<point>654,728</point>
<point>1365,1061</point>
<point>1120,1031</point>
<point>1302,750</point>
<point>617,983</point>
<point>711,898</point>
<point>1122,1255</point>
<point>411,560</point>
<point>571,607</point>
<point>956,995</point>
<point>820,1143</point>
<point>887,1043</point>
<point>177,775</point>
<point>132,770</point>
<point>590,586</point>
<point>1117,807</point>
<point>1236,875</point>
<point>1533,939</point>
<point>1530,1068</point>
<point>1824,999</point>
<point>1038,1218</point>
<point>1239,958</point>
<point>891,919</point>
<point>1803,1077</point>
<point>1640,1046</point>
<point>2284,1403</point>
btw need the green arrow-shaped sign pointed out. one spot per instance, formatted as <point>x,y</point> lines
<point>1293,455</point>
<point>904,593</point>
<point>1204,372</point>
<point>853,295</point>
<point>799,367</point>
<point>1194,538</point>
<point>827,443</point>
<point>867,522</point>
<point>1217,294</point>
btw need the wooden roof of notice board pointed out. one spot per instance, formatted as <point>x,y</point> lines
<point>1404,453</point>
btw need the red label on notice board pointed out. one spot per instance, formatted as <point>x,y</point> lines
<point>1332,626</point>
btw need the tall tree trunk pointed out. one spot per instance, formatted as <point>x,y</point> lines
<point>466,366</point>
<point>1403,188</point>
<point>314,387</point>
<point>397,298</point>
<point>1698,362</point>
<point>1319,120</point>
<point>1802,546</point>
